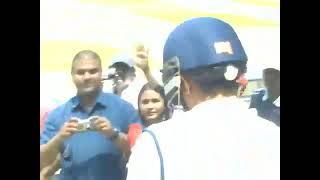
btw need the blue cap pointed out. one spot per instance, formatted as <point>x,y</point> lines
<point>202,42</point>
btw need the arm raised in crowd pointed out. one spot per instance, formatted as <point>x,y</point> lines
<point>141,60</point>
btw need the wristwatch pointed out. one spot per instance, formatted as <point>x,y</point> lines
<point>115,134</point>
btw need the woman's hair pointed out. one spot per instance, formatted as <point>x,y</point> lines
<point>167,112</point>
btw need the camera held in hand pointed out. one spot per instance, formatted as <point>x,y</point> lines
<point>86,124</point>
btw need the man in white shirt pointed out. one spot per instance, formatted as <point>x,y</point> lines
<point>218,137</point>
<point>132,71</point>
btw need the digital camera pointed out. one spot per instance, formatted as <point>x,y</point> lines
<point>86,124</point>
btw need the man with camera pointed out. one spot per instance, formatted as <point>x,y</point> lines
<point>128,73</point>
<point>89,130</point>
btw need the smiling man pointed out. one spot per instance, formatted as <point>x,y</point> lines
<point>98,152</point>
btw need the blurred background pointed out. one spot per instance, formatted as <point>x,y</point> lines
<point>112,26</point>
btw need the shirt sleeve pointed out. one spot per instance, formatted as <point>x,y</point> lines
<point>131,116</point>
<point>256,99</point>
<point>144,162</point>
<point>134,132</point>
<point>50,128</point>
<point>43,118</point>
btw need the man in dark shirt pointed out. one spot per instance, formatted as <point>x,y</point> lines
<point>267,101</point>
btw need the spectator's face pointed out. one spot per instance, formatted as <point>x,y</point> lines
<point>122,70</point>
<point>86,76</point>
<point>151,106</point>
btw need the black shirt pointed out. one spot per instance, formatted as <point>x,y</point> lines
<point>265,108</point>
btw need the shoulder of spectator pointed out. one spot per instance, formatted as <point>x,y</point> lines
<point>256,95</point>
<point>124,103</point>
<point>258,91</point>
<point>115,98</point>
<point>128,112</point>
<point>57,112</point>
<point>264,124</point>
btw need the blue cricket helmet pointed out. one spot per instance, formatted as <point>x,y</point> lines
<point>202,42</point>
<point>199,43</point>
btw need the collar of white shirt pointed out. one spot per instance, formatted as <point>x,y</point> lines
<point>220,101</point>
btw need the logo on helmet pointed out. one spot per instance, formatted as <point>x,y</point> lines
<point>231,73</point>
<point>223,47</point>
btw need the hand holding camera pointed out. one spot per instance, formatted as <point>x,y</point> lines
<point>93,123</point>
<point>97,123</point>
<point>86,124</point>
<point>68,129</point>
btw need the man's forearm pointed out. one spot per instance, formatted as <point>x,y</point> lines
<point>122,143</point>
<point>50,170</point>
<point>49,152</point>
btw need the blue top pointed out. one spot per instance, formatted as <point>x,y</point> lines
<point>265,108</point>
<point>91,155</point>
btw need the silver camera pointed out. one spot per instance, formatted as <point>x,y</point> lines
<point>86,124</point>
